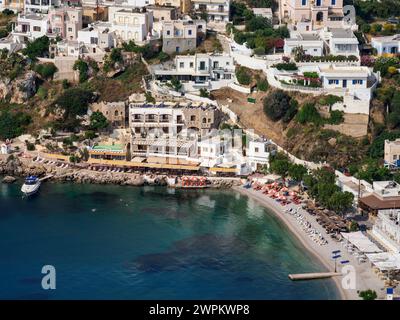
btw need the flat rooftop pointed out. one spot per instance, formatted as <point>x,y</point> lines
<point>342,33</point>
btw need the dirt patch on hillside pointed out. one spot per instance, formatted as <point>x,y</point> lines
<point>251,115</point>
<point>354,125</point>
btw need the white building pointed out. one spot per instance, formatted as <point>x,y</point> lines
<point>97,35</point>
<point>209,71</point>
<point>42,6</point>
<point>311,43</point>
<point>259,152</point>
<point>355,84</point>
<point>30,26</point>
<point>357,187</point>
<point>131,23</point>
<point>217,10</point>
<point>387,229</point>
<point>170,129</point>
<point>221,155</point>
<point>341,41</point>
<point>389,44</point>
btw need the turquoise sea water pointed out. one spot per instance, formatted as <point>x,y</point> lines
<point>113,242</point>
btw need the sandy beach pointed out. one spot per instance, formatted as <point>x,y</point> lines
<point>365,277</point>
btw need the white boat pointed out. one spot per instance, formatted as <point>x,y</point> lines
<point>30,186</point>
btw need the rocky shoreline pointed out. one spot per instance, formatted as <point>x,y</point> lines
<point>12,166</point>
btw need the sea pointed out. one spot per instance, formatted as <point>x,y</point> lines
<point>82,241</point>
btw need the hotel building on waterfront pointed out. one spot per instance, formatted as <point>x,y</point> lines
<point>387,229</point>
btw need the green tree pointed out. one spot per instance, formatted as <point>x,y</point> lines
<point>176,84</point>
<point>83,69</point>
<point>276,104</point>
<point>98,121</point>
<point>297,171</point>
<point>340,201</point>
<point>149,97</point>
<point>243,75</point>
<point>13,124</point>
<point>368,295</point>
<point>46,70</point>
<point>309,114</point>
<point>204,93</point>
<point>74,101</point>
<point>37,48</point>
<point>116,55</point>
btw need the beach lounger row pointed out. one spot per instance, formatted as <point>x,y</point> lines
<point>307,227</point>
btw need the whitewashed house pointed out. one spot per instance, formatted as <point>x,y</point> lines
<point>97,35</point>
<point>216,10</point>
<point>131,23</point>
<point>389,44</point>
<point>209,71</point>
<point>30,26</point>
<point>341,41</point>
<point>258,153</point>
<point>311,43</point>
<point>43,6</point>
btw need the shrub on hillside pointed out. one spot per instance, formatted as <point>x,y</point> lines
<point>243,75</point>
<point>276,104</point>
<point>46,70</point>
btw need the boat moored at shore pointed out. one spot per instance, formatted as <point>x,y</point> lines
<point>31,185</point>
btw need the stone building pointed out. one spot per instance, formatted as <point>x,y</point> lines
<point>115,112</point>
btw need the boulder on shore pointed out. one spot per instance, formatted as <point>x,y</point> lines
<point>9,179</point>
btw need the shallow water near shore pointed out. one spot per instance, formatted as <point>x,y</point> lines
<point>113,242</point>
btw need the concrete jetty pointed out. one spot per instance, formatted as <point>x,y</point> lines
<point>313,275</point>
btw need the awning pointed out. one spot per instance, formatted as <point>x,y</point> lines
<point>361,242</point>
<point>375,203</point>
<point>385,260</point>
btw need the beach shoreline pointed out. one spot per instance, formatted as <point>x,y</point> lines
<point>365,277</point>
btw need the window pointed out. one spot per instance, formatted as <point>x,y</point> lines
<point>357,81</point>
<point>192,118</point>
<point>333,2</point>
<point>202,65</point>
<point>395,157</point>
<point>256,150</point>
<point>189,32</point>
<point>181,64</point>
<point>333,81</point>
<point>303,2</point>
<point>36,28</point>
<point>168,32</point>
<point>191,64</point>
<point>69,29</point>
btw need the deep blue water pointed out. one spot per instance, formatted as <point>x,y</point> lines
<point>113,242</point>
